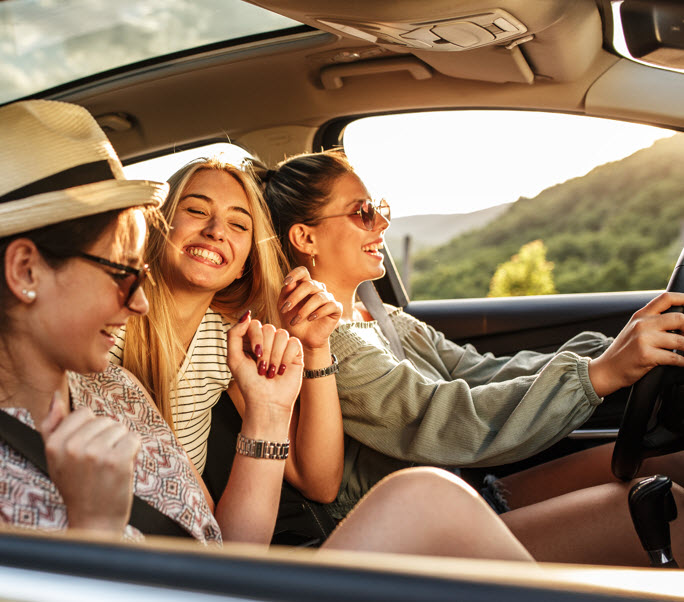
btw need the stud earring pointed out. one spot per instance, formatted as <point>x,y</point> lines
<point>313,260</point>
<point>29,294</point>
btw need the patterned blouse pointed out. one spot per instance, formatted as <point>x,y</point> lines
<point>163,475</point>
<point>202,378</point>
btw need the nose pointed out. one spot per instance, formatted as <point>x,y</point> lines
<point>138,303</point>
<point>381,222</point>
<point>215,229</point>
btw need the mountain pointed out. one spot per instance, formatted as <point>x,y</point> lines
<point>619,227</point>
<point>436,229</point>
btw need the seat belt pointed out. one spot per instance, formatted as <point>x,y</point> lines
<point>371,299</point>
<point>29,443</point>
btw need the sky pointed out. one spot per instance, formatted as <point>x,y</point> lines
<point>463,161</point>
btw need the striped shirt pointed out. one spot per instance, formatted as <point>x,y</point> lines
<point>202,377</point>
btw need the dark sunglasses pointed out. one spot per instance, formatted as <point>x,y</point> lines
<point>368,211</point>
<point>128,279</point>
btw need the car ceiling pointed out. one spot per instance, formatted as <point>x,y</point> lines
<point>273,96</point>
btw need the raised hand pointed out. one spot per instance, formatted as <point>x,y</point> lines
<point>308,310</point>
<point>649,339</point>
<point>267,366</point>
<point>91,460</point>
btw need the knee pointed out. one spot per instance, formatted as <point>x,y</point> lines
<point>432,485</point>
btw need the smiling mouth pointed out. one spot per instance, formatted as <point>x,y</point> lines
<point>206,254</point>
<point>110,332</point>
<point>373,248</point>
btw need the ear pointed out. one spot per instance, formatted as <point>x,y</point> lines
<point>303,239</point>
<point>23,265</point>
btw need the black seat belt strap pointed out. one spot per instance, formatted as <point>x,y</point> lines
<point>29,443</point>
<point>370,298</point>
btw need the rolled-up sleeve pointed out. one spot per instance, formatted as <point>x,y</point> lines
<point>458,407</point>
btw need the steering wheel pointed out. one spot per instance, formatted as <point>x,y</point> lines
<point>653,422</point>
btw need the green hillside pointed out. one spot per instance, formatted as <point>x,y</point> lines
<point>617,228</point>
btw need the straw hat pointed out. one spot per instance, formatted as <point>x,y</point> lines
<point>57,164</point>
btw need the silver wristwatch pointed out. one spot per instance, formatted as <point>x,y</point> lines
<point>333,368</point>
<point>258,448</point>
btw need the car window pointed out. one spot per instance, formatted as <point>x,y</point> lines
<point>46,43</point>
<point>162,167</point>
<point>502,203</point>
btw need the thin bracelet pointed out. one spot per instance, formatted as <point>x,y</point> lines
<point>258,448</point>
<point>333,368</point>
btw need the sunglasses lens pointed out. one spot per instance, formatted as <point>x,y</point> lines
<point>130,285</point>
<point>368,215</point>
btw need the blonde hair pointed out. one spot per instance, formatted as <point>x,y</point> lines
<point>153,342</point>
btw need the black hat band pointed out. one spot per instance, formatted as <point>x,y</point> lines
<point>87,173</point>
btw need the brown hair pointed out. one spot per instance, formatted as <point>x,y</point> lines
<point>298,189</point>
<point>59,242</point>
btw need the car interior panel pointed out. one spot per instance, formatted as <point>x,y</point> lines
<point>300,89</point>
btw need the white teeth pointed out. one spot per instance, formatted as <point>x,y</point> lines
<point>205,254</point>
<point>373,247</point>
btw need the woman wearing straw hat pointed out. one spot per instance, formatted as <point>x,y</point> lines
<point>72,235</point>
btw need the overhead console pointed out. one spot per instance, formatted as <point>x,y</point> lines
<point>495,26</point>
<point>516,41</point>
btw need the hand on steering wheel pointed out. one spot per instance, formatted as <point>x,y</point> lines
<point>653,422</point>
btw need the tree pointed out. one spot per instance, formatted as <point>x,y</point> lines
<point>526,273</point>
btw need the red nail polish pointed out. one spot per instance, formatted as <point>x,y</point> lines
<point>258,351</point>
<point>281,369</point>
<point>271,371</point>
<point>262,368</point>
<point>244,316</point>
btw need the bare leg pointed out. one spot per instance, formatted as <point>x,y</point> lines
<point>588,526</point>
<point>426,511</point>
<point>580,470</point>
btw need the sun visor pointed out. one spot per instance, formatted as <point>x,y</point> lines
<point>632,91</point>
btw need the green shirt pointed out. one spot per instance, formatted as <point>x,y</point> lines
<point>448,405</point>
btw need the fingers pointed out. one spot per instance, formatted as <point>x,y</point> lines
<point>319,305</point>
<point>236,335</point>
<point>276,365</point>
<point>274,343</point>
<point>662,303</point>
<point>662,357</point>
<point>296,275</point>
<point>82,434</point>
<point>306,297</point>
<point>265,335</point>
<point>70,424</point>
<point>263,343</point>
<point>294,354</point>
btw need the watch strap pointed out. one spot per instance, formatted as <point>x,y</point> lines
<point>333,368</point>
<point>258,448</point>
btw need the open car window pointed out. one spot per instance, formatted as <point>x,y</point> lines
<point>504,203</point>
